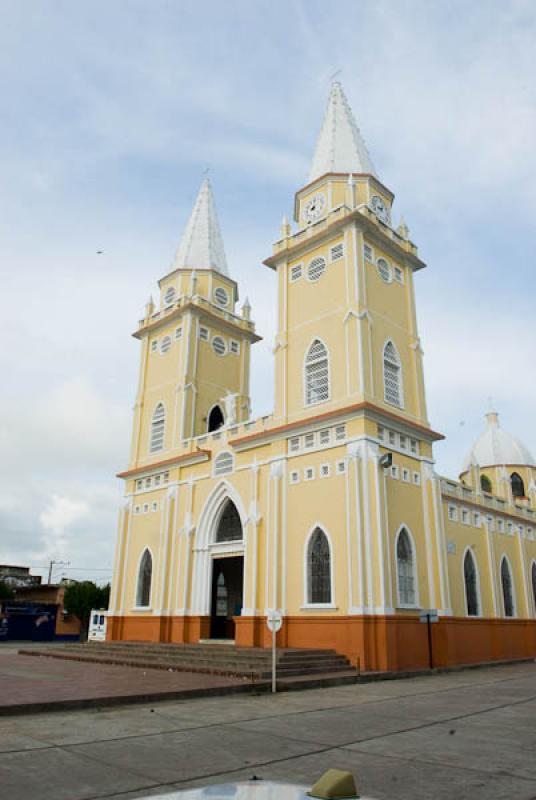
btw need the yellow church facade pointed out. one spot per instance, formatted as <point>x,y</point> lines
<point>329,510</point>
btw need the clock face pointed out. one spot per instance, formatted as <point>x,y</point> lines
<point>314,207</point>
<point>380,209</point>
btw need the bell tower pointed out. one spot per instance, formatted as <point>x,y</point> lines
<point>194,370</point>
<point>347,330</point>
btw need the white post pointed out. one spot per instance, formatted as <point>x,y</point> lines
<point>274,660</point>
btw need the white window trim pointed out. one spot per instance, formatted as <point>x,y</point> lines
<point>389,267</point>
<point>227,472</point>
<point>504,557</point>
<point>159,449</point>
<point>417,603</point>
<point>215,296</point>
<point>531,591</point>
<point>316,280</point>
<point>304,374</point>
<point>135,606</point>
<point>295,267</point>
<point>478,594</point>
<point>306,604</point>
<point>400,404</point>
<point>226,349</point>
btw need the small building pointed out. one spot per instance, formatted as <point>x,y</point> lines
<point>14,576</point>
<point>36,602</point>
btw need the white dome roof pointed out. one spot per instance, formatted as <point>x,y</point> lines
<point>495,447</point>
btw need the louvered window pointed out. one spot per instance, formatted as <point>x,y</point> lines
<point>223,464</point>
<point>337,251</point>
<point>369,253</point>
<point>319,568</point>
<point>316,374</point>
<point>316,268</point>
<point>405,561</point>
<point>384,270</point>
<point>178,333</point>
<point>203,334</point>
<point>219,346</point>
<point>295,273</point>
<point>392,389</point>
<point>221,296</point>
<point>169,296</point>
<point>157,428</point>
<point>235,347</point>
<point>166,344</point>
<point>471,585</point>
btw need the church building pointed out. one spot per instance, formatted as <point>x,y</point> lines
<point>328,510</point>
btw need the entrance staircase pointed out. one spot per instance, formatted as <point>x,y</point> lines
<point>295,668</point>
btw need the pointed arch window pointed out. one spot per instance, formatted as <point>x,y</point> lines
<point>145,573</point>
<point>316,374</point>
<point>533,581</point>
<point>405,570</point>
<point>318,569</point>
<point>230,525</point>
<point>158,425</point>
<point>507,588</point>
<point>518,487</point>
<point>392,376</point>
<point>471,585</point>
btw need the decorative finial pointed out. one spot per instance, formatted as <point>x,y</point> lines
<point>246,309</point>
<point>149,307</point>
<point>350,191</point>
<point>193,283</point>
<point>333,78</point>
<point>286,230</point>
<point>403,229</point>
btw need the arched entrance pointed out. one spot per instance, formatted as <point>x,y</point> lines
<point>227,574</point>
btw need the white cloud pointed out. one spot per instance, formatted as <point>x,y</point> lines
<point>109,119</point>
<point>56,519</point>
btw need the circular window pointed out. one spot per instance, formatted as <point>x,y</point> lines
<point>219,346</point>
<point>385,270</point>
<point>221,296</point>
<point>166,344</point>
<point>316,268</point>
<point>169,296</point>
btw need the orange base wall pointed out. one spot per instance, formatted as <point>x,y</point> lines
<point>390,643</point>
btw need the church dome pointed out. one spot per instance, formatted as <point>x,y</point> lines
<point>497,447</point>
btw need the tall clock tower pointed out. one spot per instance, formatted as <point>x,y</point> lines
<point>345,277</point>
<point>195,354</point>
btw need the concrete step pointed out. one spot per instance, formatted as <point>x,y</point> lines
<point>252,663</point>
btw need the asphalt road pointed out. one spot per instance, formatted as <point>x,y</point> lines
<point>463,735</point>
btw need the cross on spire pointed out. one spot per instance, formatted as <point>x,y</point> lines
<point>201,244</point>
<point>340,146</point>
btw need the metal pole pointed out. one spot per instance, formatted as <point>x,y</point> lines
<point>430,653</point>
<point>274,648</point>
<point>50,572</point>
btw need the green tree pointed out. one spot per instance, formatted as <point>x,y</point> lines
<point>6,592</point>
<point>81,597</point>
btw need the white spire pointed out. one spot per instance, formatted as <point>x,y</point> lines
<point>201,245</point>
<point>340,146</point>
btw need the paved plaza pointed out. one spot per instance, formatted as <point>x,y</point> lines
<point>468,734</point>
<point>41,682</point>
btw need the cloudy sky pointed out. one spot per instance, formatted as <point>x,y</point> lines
<point>110,112</point>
